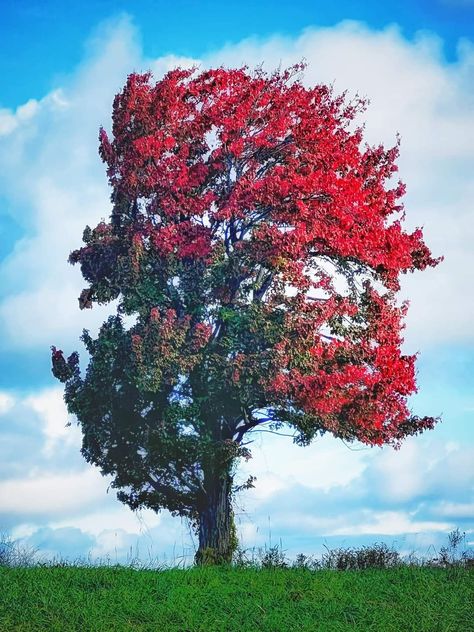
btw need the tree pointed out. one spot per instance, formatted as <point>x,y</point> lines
<point>258,245</point>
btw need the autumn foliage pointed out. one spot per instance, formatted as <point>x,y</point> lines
<point>258,243</point>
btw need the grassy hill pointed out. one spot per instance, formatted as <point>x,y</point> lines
<point>113,599</point>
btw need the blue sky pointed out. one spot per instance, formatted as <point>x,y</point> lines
<point>42,41</point>
<point>61,65</point>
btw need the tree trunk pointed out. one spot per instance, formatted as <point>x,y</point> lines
<point>217,540</point>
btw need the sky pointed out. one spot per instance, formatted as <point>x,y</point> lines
<point>61,65</point>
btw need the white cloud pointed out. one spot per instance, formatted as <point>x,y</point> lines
<point>50,406</point>
<point>391,523</point>
<point>54,179</point>
<point>11,120</point>
<point>23,530</point>
<point>52,176</point>
<point>423,488</point>
<point>454,510</point>
<point>423,467</point>
<point>59,183</point>
<point>7,402</point>
<point>400,476</point>
<point>167,540</point>
<point>430,103</point>
<point>268,483</point>
<point>162,65</point>
<point>279,464</point>
<point>109,540</point>
<point>324,490</point>
<point>119,517</point>
<point>46,494</point>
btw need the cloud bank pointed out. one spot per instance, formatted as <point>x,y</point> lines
<point>54,182</point>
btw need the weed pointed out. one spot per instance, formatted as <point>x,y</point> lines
<point>12,553</point>
<point>378,555</point>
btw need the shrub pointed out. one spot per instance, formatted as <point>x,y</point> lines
<point>12,553</point>
<point>454,554</point>
<point>377,555</point>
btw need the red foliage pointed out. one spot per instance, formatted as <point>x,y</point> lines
<point>269,181</point>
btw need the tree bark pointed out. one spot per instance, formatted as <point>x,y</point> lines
<point>217,540</point>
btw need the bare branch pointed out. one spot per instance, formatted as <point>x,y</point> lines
<point>280,434</point>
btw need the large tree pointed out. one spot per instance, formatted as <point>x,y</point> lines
<point>254,248</point>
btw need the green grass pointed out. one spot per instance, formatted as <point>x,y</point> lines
<point>113,599</point>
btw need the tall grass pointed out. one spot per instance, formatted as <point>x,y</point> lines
<point>13,553</point>
<point>207,599</point>
<point>365,589</point>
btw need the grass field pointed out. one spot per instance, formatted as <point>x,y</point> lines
<point>112,599</point>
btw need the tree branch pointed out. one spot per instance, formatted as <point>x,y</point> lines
<point>280,434</point>
<point>260,293</point>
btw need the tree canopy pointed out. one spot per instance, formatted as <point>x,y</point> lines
<point>257,243</point>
